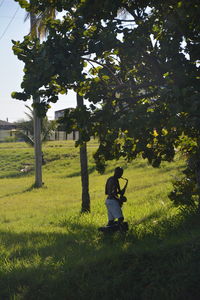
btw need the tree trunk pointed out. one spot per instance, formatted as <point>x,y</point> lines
<point>37,149</point>
<point>37,134</point>
<point>84,170</point>
<point>84,179</point>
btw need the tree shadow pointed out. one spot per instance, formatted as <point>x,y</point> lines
<point>52,264</point>
<point>148,218</point>
<point>20,192</point>
<point>171,167</point>
<point>17,174</point>
<point>80,263</point>
<point>91,169</point>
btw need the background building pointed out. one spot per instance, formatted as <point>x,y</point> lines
<point>7,131</point>
<point>60,134</point>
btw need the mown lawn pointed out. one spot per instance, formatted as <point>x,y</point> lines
<point>48,250</point>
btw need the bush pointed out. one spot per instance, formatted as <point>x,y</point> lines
<point>186,192</point>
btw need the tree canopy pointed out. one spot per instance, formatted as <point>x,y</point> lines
<point>137,63</point>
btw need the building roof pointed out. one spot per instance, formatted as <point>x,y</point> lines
<point>5,124</point>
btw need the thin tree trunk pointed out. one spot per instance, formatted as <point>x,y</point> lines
<point>84,179</point>
<point>37,148</point>
<point>37,134</point>
<point>84,170</point>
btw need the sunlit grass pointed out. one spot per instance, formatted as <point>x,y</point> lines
<point>147,190</point>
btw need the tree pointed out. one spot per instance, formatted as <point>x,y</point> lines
<point>39,26</point>
<point>77,119</point>
<point>37,123</point>
<point>84,167</point>
<point>144,71</point>
<point>37,30</point>
<point>42,29</point>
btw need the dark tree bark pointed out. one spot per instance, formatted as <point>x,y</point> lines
<point>84,179</point>
<point>84,170</point>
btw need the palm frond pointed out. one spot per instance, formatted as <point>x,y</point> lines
<point>27,139</point>
<point>42,18</point>
<point>27,16</point>
<point>29,108</point>
<point>38,26</point>
<point>30,115</point>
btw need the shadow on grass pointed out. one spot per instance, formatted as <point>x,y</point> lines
<point>143,187</point>
<point>91,169</point>
<point>49,266</point>
<point>17,175</point>
<point>18,193</point>
<point>83,264</point>
<point>155,214</point>
<point>171,167</point>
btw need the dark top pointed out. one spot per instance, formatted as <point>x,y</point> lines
<point>112,188</point>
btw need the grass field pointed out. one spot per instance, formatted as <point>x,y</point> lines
<point>48,250</point>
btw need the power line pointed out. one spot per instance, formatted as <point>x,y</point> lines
<point>9,23</point>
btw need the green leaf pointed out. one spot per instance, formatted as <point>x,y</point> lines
<point>105,77</point>
<point>166,74</point>
<point>180,3</point>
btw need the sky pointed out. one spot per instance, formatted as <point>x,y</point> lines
<point>13,27</point>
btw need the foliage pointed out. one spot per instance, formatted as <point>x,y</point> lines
<point>137,63</point>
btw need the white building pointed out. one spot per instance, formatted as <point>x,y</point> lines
<point>7,130</point>
<point>62,135</point>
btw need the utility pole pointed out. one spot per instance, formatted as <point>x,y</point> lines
<point>37,130</point>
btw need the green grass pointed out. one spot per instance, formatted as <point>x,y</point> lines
<point>48,250</point>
